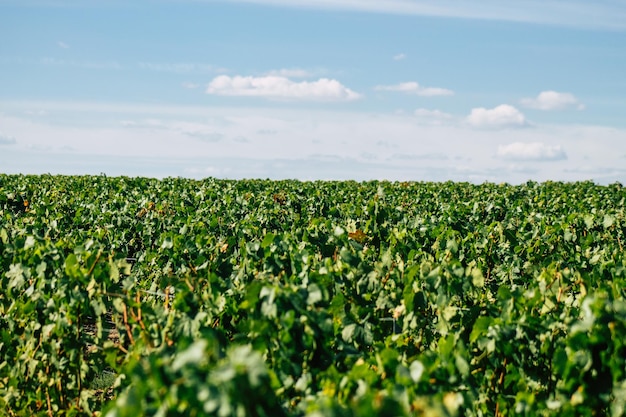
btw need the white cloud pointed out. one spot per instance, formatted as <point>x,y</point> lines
<point>552,100</point>
<point>531,151</point>
<point>412,87</point>
<point>6,139</point>
<point>399,57</point>
<point>501,116</point>
<point>63,45</point>
<point>190,86</point>
<point>282,88</point>
<point>408,87</point>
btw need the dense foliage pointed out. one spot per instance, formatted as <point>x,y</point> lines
<point>134,296</point>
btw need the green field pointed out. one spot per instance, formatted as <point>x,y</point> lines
<point>134,296</point>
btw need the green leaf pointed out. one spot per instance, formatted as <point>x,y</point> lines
<point>72,268</point>
<point>417,370</point>
<point>608,221</point>
<point>168,243</point>
<point>461,364</point>
<point>347,334</point>
<point>452,245</point>
<point>315,294</point>
<point>114,273</point>
<point>29,243</point>
<point>478,280</point>
<point>194,354</point>
<point>267,240</point>
<point>480,328</point>
<point>16,276</point>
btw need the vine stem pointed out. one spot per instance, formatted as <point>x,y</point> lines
<point>128,332</point>
<point>94,263</point>
<point>80,358</point>
<point>48,401</point>
<point>501,379</point>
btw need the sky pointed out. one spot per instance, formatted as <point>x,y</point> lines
<point>400,90</point>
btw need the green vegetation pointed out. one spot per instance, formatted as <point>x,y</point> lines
<point>133,296</point>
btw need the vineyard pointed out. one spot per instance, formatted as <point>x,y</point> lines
<point>177,297</point>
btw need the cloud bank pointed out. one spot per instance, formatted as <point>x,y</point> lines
<point>291,142</point>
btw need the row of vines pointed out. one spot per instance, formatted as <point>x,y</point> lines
<point>134,296</point>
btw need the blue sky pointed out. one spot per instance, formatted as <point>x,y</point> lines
<point>315,89</point>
